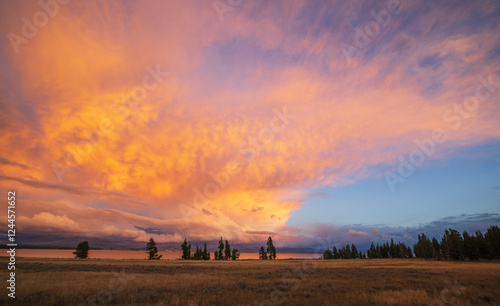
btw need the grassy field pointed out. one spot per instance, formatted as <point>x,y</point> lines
<point>253,282</point>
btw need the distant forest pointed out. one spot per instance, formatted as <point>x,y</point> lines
<point>452,246</point>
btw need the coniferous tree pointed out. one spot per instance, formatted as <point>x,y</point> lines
<point>436,248</point>
<point>468,246</point>
<point>82,250</point>
<point>206,253</point>
<point>152,250</point>
<point>235,254</point>
<point>216,255</point>
<point>372,251</point>
<point>186,250</point>
<point>227,251</point>
<point>220,256</point>
<point>492,238</point>
<point>347,252</point>
<point>354,252</point>
<point>271,250</point>
<point>262,253</point>
<point>393,249</point>
<point>409,253</point>
<point>328,254</point>
<point>335,253</point>
<point>453,245</point>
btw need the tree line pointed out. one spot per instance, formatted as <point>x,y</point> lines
<point>386,250</point>
<point>460,247</point>
<point>453,245</point>
<point>223,252</point>
<point>347,252</point>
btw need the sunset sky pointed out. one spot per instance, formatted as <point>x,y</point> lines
<point>316,122</point>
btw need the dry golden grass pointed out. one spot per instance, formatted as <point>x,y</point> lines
<point>253,282</point>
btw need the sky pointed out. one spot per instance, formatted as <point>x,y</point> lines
<point>319,123</point>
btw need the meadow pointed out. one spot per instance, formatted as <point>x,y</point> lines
<point>253,282</point>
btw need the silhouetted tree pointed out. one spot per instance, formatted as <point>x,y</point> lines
<point>227,251</point>
<point>409,253</point>
<point>262,253</point>
<point>235,254</point>
<point>354,252</point>
<point>492,238</point>
<point>436,247</point>
<point>271,250</point>
<point>206,253</point>
<point>220,255</point>
<point>152,250</point>
<point>452,245</point>
<point>335,253</point>
<point>327,254</point>
<point>82,250</point>
<point>186,250</point>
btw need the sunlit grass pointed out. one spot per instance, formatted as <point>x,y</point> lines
<point>249,282</point>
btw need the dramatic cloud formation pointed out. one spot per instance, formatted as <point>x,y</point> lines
<point>130,120</point>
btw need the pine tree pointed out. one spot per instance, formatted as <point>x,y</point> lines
<point>492,238</point>
<point>393,249</point>
<point>271,250</point>
<point>82,250</point>
<point>227,251</point>
<point>328,254</point>
<point>436,247</point>
<point>354,252</point>
<point>347,252</point>
<point>409,253</point>
<point>235,254</point>
<point>220,256</point>
<point>335,253</point>
<point>152,250</point>
<point>186,250</point>
<point>216,255</point>
<point>262,253</point>
<point>206,253</point>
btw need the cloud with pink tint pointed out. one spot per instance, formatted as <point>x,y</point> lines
<point>357,233</point>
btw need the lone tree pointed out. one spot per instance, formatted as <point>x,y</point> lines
<point>152,250</point>
<point>271,250</point>
<point>82,250</point>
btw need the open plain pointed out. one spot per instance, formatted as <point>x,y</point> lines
<point>253,282</point>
